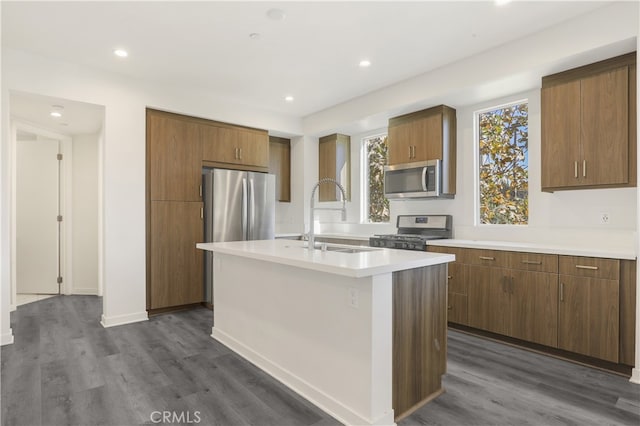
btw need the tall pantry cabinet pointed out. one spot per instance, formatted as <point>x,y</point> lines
<point>174,223</point>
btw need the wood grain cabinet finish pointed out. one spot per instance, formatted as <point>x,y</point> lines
<point>425,135</point>
<point>280,166</point>
<point>457,298</point>
<point>589,126</point>
<point>173,158</point>
<point>334,153</point>
<point>588,320</point>
<point>177,266</point>
<point>419,336</point>
<point>235,146</point>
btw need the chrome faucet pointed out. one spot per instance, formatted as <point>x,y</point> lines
<point>312,209</point>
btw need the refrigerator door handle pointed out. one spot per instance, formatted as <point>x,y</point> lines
<point>244,209</point>
<point>252,210</point>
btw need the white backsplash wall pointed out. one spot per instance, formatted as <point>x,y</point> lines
<point>563,217</point>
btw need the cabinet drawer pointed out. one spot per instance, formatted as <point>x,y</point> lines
<point>593,267</point>
<point>533,261</point>
<point>459,253</point>
<point>487,257</point>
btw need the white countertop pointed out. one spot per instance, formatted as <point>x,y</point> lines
<point>293,253</point>
<point>536,248</point>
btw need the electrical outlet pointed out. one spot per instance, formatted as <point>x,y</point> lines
<point>604,218</point>
<point>353,297</point>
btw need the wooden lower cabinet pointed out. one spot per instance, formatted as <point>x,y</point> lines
<point>589,317</point>
<point>534,307</point>
<point>488,301</point>
<point>176,265</point>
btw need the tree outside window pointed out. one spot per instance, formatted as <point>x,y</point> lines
<point>504,165</point>
<point>376,151</point>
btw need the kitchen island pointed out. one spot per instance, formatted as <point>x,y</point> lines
<point>358,331</point>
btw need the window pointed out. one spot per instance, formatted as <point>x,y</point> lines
<point>504,164</point>
<point>375,157</point>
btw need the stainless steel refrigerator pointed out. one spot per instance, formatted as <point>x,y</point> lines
<point>238,206</point>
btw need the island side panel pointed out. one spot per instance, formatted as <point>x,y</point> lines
<point>298,325</point>
<point>419,336</point>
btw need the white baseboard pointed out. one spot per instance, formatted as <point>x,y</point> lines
<point>635,376</point>
<point>85,291</point>
<point>123,319</point>
<point>325,402</point>
<point>7,339</point>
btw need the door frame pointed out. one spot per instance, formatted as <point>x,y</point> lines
<point>65,205</point>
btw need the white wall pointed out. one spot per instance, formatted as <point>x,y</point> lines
<point>123,161</point>
<point>85,214</point>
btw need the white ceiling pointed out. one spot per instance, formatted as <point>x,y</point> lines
<point>312,54</point>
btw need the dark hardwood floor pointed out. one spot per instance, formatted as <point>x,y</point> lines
<point>65,369</point>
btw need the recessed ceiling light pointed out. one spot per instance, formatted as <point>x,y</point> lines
<point>121,53</point>
<point>254,36</point>
<point>56,111</point>
<point>288,98</point>
<point>276,14</point>
<point>365,63</point>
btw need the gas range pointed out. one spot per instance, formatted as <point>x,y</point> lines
<point>414,231</point>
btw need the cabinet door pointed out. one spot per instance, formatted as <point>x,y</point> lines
<point>280,165</point>
<point>560,135</point>
<point>400,144</point>
<point>488,299</point>
<point>176,275</point>
<point>588,317</point>
<point>605,128</point>
<point>173,152</point>
<point>219,144</point>
<point>534,307</point>
<point>457,278</point>
<point>457,308</point>
<point>427,138</point>
<point>253,148</point>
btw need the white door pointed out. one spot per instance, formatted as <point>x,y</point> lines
<point>37,207</point>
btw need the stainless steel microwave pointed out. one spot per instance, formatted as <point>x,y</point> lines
<point>414,180</point>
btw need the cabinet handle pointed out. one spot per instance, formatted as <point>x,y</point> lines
<point>200,191</point>
<point>532,262</point>
<point>410,151</point>
<point>584,168</point>
<point>575,169</point>
<point>239,153</point>
<point>449,308</point>
<point>486,258</point>
<point>449,277</point>
<point>593,268</point>
<point>201,212</point>
<point>562,292</point>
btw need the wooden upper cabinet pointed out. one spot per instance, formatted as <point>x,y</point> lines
<point>280,166</point>
<point>605,115</point>
<point>334,153</point>
<point>589,126</point>
<point>235,146</point>
<point>423,135</point>
<point>173,158</point>
<point>561,135</point>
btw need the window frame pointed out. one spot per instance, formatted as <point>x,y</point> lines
<point>476,164</point>
<point>364,178</point>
